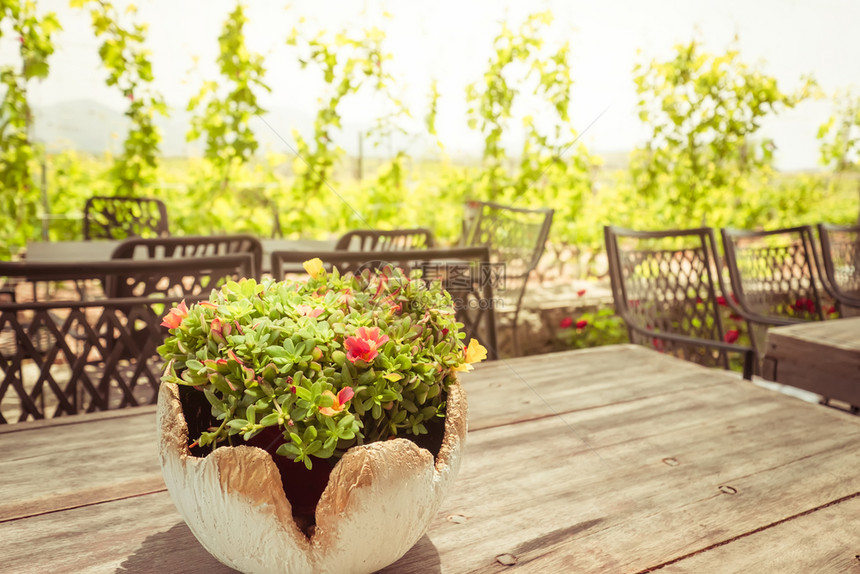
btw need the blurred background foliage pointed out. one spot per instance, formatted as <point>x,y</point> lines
<point>704,162</point>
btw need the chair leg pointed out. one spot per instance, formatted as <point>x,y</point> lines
<point>516,338</point>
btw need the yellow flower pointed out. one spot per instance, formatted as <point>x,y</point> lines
<point>475,353</point>
<point>314,267</point>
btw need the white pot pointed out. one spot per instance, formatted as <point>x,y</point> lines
<point>379,501</point>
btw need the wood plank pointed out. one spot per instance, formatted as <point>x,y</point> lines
<point>822,357</point>
<point>620,488</point>
<point>840,333</point>
<point>645,488</point>
<point>529,388</point>
<point>137,535</point>
<point>83,418</point>
<point>85,459</point>
<point>50,467</point>
<point>822,541</point>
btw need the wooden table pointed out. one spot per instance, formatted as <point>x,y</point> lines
<point>820,356</point>
<point>615,459</point>
<point>83,251</point>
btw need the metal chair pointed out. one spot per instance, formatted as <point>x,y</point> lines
<point>516,238</point>
<point>840,258</point>
<point>773,278</point>
<point>466,272</point>
<point>120,217</point>
<point>192,246</point>
<point>666,288</point>
<point>70,355</point>
<point>386,240</point>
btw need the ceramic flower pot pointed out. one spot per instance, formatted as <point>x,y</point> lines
<point>379,500</point>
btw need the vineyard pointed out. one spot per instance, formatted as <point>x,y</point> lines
<point>704,162</point>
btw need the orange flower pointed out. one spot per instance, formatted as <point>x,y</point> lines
<point>365,344</point>
<point>475,353</point>
<point>175,316</point>
<point>343,396</point>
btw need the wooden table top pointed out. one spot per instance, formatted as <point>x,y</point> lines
<point>819,356</point>
<point>101,250</point>
<point>841,334</point>
<point>614,459</point>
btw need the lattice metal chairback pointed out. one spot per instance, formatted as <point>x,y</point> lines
<point>667,282</point>
<point>774,273</point>
<point>192,246</point>
<point>465,272</point>
<point>67,354</point>
<point>840,250</point>
<point>516,236</point>
<point>177,277</point>
<point>120,217</point>
<point>386,240</point>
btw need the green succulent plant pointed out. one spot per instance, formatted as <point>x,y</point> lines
<point>331,361</point>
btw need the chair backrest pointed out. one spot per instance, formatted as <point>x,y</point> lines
<point>70,354</point>
<point>773,273</point>
<point>386,240</point>
<point>773,276</point>
<point>840,254</point>
<point>515,236</point>
<point>191,277</point>
<point>466,272</point>
<point>192,246</point>
<point>667,281</point>
<point>120,217</point>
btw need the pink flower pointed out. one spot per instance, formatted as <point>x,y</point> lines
<point>831,310</point>
<point>175,316</point>
<point>731,335</point>
<point>581,324</point>
<point>580,293</point>
<point>363,346</point>
<point>343,396</point>
<point>721,301</point>
<point>566,323</point>
<point>308,311</point>
<point>217,330</point>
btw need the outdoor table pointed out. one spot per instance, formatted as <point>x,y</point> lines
<point>819,356</point>
<point>612,459</point>
<point>84,251</point>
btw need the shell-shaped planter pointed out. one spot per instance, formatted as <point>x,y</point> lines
<point>379,501</point>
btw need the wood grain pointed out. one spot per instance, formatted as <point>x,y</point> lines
<point>820,356</point>
<point>640,493</point>
<point>609,460</point>
<point>51,467</point>
<point>140,535</point>
<point>826,540</point>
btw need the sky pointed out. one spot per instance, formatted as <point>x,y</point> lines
<point>450,41</point>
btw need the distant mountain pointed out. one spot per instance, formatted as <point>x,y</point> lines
<point>91,127</point>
